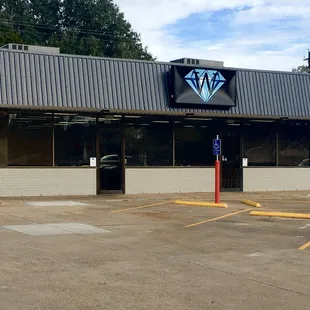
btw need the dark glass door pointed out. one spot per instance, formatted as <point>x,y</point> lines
<point>231,160</point>
<point>110,162</point>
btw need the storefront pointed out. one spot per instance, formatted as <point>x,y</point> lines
<point>73,125</point>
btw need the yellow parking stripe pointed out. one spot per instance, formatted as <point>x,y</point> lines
<point>252,203</point>
<point>217,218</point>
<point>305,246</point>
<point>142,207</point>
<point>201,204</point>
<point>282,214</point>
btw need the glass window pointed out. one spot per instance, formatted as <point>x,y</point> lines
<point>75,140</point>
<point>193,145</point>
<point>148,143</point>
<point>3,138</point>
<point>30,141</point>
<point>110,148</point>
<point>294,145</point>
<point>259,144</point>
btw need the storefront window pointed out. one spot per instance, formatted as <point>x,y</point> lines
<point>193,145</point>
<point>148,143</point>
<point>75,140</point>
<point>259,144</point>
<point>3,138</point>
<point>294,145</point>
<point>30,141</point>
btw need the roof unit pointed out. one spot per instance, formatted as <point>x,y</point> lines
<point>32,48</point>
<point>200,62</point>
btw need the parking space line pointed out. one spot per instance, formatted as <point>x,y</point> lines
<point>289,209</point>
<point>142,207</point>
<point>217,218</point>
<point>281,214</point>
<point>305,246</point>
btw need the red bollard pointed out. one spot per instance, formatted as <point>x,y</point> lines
<point>217,181</point>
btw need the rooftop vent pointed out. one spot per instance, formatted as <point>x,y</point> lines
<point>199,62</point>
<point>32,48</point>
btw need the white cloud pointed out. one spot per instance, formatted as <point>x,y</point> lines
<point>265,13</point>
<point>253,41</point>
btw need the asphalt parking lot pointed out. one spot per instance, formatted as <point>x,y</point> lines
<point>102,253</point>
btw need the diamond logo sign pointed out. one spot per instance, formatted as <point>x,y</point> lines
<point>205,83</point>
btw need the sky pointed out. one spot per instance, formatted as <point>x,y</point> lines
<point>261,34</point>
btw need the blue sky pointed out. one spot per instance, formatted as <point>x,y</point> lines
<point>263,34</point>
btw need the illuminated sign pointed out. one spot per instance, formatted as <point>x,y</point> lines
<point>203,87</point>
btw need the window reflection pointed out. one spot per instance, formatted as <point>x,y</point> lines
<point>259,141</point>
<point>193,145</point>
<point>110,154</point>
<point>75,140</point>
<point>148,143</point>
<point>294,146</point>
<point>3,138</point>
<point>30,140</point>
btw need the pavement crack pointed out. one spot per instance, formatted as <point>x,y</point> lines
<point>20,217</point>
<point>230,273</point>
<point>214,269</point>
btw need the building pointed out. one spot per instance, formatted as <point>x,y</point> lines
<point>75,125</point>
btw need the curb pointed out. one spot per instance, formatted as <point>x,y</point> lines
<point>281,214</point>
<point>201,204</point>
<point>252,203</point>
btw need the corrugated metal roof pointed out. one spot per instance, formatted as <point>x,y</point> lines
<point>36,81</point>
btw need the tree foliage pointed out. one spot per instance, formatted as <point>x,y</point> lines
<point>302,68</point>
<point>85,27</point>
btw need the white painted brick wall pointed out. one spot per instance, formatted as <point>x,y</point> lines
<point>16,182</point>
<point>169,180</point>
<point>276,179</point>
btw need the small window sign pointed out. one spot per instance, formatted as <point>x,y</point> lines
<point>244,162</point>
<point>93,161</point>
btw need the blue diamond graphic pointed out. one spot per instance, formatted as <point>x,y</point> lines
<point>205,83</point>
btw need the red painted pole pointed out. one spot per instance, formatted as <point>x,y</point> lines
<point>217,181</point>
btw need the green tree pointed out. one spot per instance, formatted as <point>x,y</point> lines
<point>86,27</point>
<point>302,68</point>
<point>16,22</point>
<point>7,33</point>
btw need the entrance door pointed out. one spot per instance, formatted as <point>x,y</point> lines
<point>231,161</point>
<point>110,163</point>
